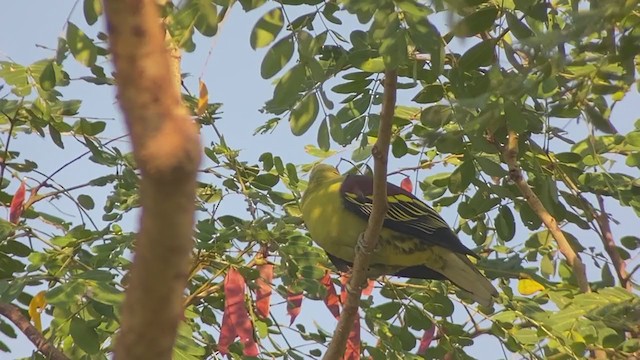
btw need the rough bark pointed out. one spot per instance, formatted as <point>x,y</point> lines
<point>15,315</point>
<point>610,246</point>
<point>166,148</point>
<point>368,242</point>
<point>510,156</point>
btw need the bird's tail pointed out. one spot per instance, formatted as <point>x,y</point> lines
<point>460,271</point>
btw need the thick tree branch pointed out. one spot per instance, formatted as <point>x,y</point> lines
<point>610,245</point>
<point>367,244</point>
<point>515,174</point>
<point>15,315</point>
<point>166,148</point>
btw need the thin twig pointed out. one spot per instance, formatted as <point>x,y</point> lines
<point>368,242</point>
<point>610,245</point>
<point>36,197</point>
<point>425,165</point>
<point>515,174</point>
<point>74,160</point>
<point>15,315</point>
<point>3,164</point>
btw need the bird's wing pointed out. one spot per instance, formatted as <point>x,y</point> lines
<point>406,214</point>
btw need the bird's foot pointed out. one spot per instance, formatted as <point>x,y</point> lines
<point>351,290</point>
<point>358,289</point>
<point>361,246</point>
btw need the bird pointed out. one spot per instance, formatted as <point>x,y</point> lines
<point>415,241</point>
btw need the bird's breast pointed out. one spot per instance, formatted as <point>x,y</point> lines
<point>331,226</point>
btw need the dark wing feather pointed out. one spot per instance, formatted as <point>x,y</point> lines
<point>414,272</point>
<point>407,214</point>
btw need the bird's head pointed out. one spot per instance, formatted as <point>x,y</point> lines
<point>322,172</point>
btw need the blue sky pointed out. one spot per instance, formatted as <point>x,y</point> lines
<point>232,76</point>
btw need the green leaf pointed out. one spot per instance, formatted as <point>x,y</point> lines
<point>10,290</point>
<point>355,87</point>
<point>609,338</point>
<point>267,28</point>
<point>107,294</point>
<point>84,336</point>
<point>352,130</point>
<point>491,167</point>
<point>607,276</point>
<point>248,5</point>
<point>206,20</point>
<point>81,46</point>
<point>16,248</point>
<point>309,46</point>
<point>526,336</point>
<point>424,34</point>
<point>96,275</point>
<point>631,345</point>
<point>517,28</point>
<point>547,267</point>
<point>394,50</point>
<point>287,90</point>
<point>277,57</point>
<point>92,10</point>
<point>537,11</point>
<point>482,202</point>
<point>474,2</point>
<point>436,116</point>
<point>633,138</point>
<point>439,305</point>
<point>15,75</point>
<point>186,347</point>
<point>267,161</point>
<point>5,228</point>
<point>266,181</point>
<point>630,242</point>
<point>8,330</point>
<point>304,114</point>
<point>361,153</point>
<point>476,22</point>
<point>48,77</point>
<point>429,94</point>
<point>505,224</point>
<point>451,142</point>
<point>63,241</point>
<point>568,157</point>
<point>65,294</point>
<point>292,173</point>
<point>506,316</point>
<point>387,310</point>
<point>581,70</point>
<point>372,65</point>
<point>319,153</point>
<point>399,147</point>
<point>89,128</point>
<point>304,21</point>
<point>462,177</point>
<point>323,136</point>
<point>86,201</point>
<point>481,54</point>
<point>435,186</point>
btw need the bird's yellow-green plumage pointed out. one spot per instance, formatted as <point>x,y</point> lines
<point>415,241</point>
